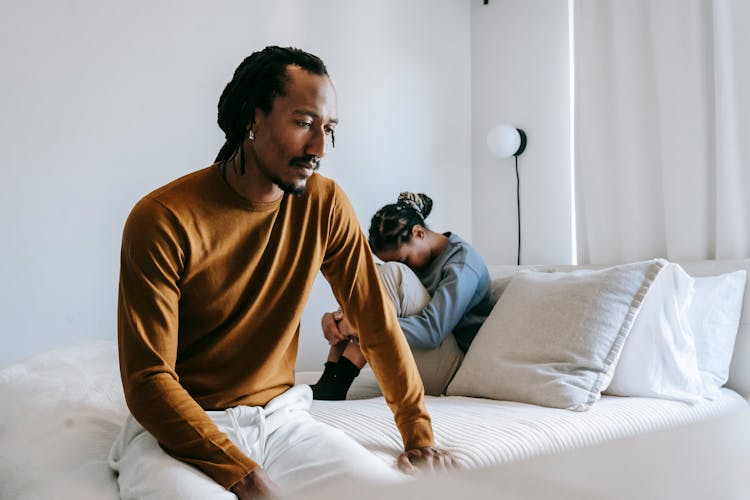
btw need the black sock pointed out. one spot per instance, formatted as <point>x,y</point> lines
<point>335,381</point>
<point>347,368</point>
<point>329,370</point>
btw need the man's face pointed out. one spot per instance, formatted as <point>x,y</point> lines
<point>292,138</point>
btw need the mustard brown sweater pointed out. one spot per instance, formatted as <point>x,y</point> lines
<point>212,289</point>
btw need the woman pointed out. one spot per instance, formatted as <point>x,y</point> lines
<point>439,286</point>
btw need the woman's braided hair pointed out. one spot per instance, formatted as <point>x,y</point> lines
<point>391,226</point>
<point>256,82</point>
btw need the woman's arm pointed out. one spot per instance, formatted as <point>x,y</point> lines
<point>450,302</point>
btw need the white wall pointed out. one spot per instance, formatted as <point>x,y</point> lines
<point>520,76</point>
<point>103,101</point>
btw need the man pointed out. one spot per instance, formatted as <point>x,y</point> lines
<point>216,268</point>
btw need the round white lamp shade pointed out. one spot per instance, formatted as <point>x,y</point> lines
<point>505,141</point>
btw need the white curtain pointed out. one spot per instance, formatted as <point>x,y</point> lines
<point>662,129</point>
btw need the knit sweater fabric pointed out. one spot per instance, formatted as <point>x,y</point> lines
<point>460,286</point>
<point>212,289</point>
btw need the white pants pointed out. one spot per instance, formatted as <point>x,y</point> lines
<point>293,448</point>
<point>436,366</point>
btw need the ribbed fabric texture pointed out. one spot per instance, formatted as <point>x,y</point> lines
<point>483,432</point>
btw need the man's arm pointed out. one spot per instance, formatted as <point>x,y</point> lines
<point>350,269</point>
<point>257,484</point>
<point>152,258</point>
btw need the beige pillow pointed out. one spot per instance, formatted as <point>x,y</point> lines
<point>553,339</point>
<point>436,367</point>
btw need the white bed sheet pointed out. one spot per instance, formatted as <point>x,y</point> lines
<point>61,410</point>
<point>483,432</point>
<point>698,461</point>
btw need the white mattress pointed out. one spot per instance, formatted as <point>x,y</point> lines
<point>60,412</point>
<point>483,432</point>
<point>699,461</point>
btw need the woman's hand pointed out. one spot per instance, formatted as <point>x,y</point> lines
<point>336,328</point>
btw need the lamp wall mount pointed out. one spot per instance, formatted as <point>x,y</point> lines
<point>506,141</point>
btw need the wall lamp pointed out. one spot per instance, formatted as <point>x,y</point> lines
<point>505,141</point>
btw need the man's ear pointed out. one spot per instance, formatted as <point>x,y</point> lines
<point>418,231</point>
<point>257,119</point>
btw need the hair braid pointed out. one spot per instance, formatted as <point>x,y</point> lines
<point>392,225</point>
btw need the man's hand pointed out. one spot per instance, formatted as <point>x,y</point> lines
<point>427,459</point>
<point>257,484</point>
<point>336,328</point>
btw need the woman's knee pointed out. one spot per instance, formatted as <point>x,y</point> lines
<point>405,289</point>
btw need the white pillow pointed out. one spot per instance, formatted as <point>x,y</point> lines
<point>714,317</point>
<point>659,356</point>
<point>552,339</point>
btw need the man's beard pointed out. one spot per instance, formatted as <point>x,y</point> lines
<point>295,189</point>
<point>292,189</point>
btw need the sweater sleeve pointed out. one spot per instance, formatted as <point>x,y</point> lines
<point>152,259</point>
<point>449,303</point>
<point>350,270</point>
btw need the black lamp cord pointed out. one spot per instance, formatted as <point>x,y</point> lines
<point>518,212</point>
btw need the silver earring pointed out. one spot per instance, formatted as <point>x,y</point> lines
<point>251,135</point>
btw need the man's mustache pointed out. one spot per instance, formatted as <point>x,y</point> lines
<point>307,161</point>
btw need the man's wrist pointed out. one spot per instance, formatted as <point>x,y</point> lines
<point>419,434</point>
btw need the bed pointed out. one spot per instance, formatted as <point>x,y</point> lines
<point>62,409</point>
